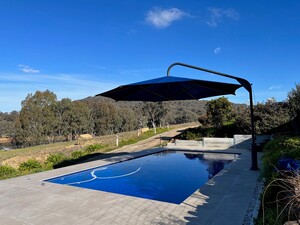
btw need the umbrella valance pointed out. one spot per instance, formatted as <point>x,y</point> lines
<point>170,88</point>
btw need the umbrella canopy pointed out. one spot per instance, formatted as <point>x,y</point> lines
<point>170,88</point>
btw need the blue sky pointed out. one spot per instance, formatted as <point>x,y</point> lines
<point>80,48</point>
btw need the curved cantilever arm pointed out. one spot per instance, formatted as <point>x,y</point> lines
<point>248,87</point>
<point>242,81</point>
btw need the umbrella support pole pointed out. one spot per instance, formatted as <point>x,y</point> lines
<point>245,83</point>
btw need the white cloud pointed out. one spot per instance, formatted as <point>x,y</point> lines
<point>216,15</point>
<point>27,69</point>
<point>15,87</point>
<point>275,87</point>
<point>217,50</point>
<point>161,18</point>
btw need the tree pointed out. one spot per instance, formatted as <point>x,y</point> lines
<point>7,121</point>
<point>267,116</point>
<point>155,113</point>
<point>219,112</point>
<point>77,119</point>
<point>128,119</point>
<point>73,118</point>
<point>294,105</point>
<point>37,119</point>
<point>106,118</point>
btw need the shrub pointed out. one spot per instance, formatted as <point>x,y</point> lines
<point>191,136</point>
<point>93,148</point>
<point>227,130</point>
<point>7,172</point>
<point>55,159</point>
<point>77,154</point>
<point>197,133</point>
<point>291,143</point>
<point>30,165</point>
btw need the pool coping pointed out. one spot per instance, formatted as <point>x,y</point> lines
<point>219,201</point>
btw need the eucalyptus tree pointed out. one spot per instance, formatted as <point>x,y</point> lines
<point>106,118</point>
<point>7,121</point>
<point>155,112</point>
<point>37,118</point>
<point>128,119</point>
<point>77,119</point>
<point>72,118</point>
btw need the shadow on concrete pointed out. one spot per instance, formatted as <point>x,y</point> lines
<point>165,138</point>
<point>183,130</point>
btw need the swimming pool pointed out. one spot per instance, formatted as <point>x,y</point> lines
<point>168,176</point>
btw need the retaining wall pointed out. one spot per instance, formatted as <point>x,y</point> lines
<point>241,141</point>
<point>217,142</point>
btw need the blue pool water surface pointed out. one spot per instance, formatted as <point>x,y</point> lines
<point>169,176</point>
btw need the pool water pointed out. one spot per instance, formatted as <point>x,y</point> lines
<point>168,176</point>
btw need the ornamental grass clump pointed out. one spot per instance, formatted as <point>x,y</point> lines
<point>285,191</point>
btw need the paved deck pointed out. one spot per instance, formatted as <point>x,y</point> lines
<point>225,199</point>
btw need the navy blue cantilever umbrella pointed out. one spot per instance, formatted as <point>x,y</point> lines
<point>170,88</point>
<point>175,88</point>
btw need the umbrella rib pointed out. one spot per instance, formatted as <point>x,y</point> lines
<point>218,90</point>
<point>186,90</point>
<point>145,89</point>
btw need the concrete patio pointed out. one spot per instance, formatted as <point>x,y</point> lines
<point>229,198</point>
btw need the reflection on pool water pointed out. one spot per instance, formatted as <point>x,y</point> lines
<point>169,176</point>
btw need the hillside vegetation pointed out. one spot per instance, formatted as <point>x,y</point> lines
<point>44,119</point>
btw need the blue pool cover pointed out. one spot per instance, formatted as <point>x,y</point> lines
<point>169,176</point>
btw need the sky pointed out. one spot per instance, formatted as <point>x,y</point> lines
<point>80,48</point>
